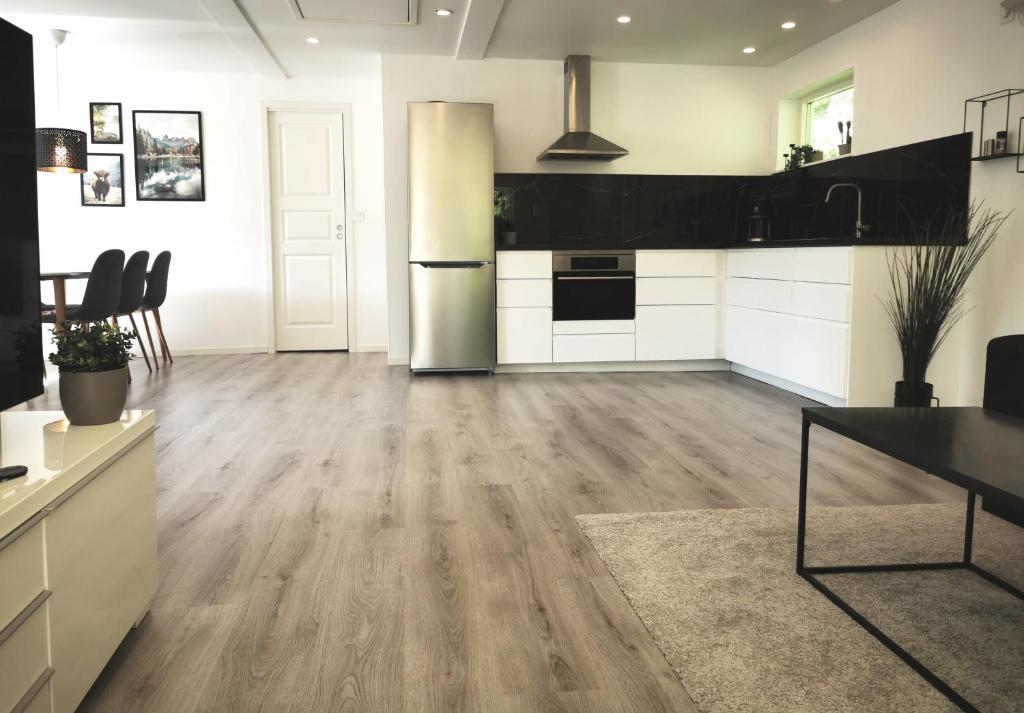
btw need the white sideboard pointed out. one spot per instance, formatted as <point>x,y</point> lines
<point>788,316</point>
<point>77,552</point>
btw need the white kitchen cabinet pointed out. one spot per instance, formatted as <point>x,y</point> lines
<point>675,332</point>
<point>823,301</point>
<point>676,291</point>
<point>831,264</point>
<point>676,263</point>
<point>524,293</point>
<point>757,339</point>
<point>524,335</point>
<point>817,354</point>
<point>523,264</point>
<point>771,295</point>
<point>595,326</point>
<point>579,348</point>
<point>761,263</point>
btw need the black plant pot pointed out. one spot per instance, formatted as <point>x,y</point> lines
<point>908,394</point>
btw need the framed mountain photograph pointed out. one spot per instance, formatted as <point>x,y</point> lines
<point>103,180</point>
<point>105,122</point>
<point>168,155</point>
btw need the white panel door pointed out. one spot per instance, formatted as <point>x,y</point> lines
<point>307,186</point>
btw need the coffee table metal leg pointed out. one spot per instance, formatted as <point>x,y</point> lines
<point>801,528</point>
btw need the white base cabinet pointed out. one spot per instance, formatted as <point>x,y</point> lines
<point>583,348</point>
<point>675,332</point>
<point>524,335</point>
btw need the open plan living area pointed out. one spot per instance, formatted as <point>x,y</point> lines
<point>512,356</point>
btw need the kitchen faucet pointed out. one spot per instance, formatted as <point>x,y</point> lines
<point>861,228</point>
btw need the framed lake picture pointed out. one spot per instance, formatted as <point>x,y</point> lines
<point>168,155</point>
<point>105,122</point>
<point>103,180</point>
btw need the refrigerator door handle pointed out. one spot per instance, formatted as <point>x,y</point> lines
<point>452,265</point>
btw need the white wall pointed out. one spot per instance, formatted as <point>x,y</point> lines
<point>914,65</point>
<point>218,297</point>
<point>673,119</point>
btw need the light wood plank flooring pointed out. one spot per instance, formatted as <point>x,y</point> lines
<point>336,535</point>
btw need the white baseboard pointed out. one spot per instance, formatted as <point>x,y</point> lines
<point>211,351</point>
<point>808,393</point>
<point>614,366</point>
<point>398,360</point>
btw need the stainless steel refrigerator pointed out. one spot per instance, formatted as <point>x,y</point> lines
<point>451,237</point>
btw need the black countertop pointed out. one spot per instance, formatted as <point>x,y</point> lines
<point>902,189</point>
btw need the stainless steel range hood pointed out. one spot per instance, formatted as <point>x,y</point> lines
<point>578,142</point>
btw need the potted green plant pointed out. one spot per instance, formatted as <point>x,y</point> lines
<point>928,281</point>
<point>93,361</point>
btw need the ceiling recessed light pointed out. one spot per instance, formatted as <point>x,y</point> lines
<point>313,40</point>
<point>623,19</point>
<point>749,50</point>
<point>788,25</point>
<point>442,12</point>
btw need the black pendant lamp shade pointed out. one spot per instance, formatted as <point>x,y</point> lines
<point>60,151</point>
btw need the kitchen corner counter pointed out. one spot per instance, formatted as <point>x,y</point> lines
<point>58,456</point>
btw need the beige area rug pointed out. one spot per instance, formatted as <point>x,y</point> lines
<point>718,592</point>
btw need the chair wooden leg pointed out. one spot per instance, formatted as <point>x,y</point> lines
<point>163,340</point>
<point>142,346</point>
<point>149,334</point>
<point>113,321</point>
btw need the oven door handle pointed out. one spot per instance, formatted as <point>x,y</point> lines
<point>596,277</point>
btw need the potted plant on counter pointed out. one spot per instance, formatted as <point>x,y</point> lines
<point>928,282</point>
<point>93,361</point>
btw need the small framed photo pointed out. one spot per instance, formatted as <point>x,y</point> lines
<point>105,122</point>
<point>103,180</point>
<point>168,155</point>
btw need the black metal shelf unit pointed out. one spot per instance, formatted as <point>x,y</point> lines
<point>983,101</point>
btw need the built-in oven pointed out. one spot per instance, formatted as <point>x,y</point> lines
<point>592,284</point>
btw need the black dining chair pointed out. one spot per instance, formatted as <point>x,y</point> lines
<point>133,287</point>
<point>102,292</point>
<point>156,293</point>
<point>1004,392</point>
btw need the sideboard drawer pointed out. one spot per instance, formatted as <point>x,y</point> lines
<point>24,657</point>
<point>21,572</point>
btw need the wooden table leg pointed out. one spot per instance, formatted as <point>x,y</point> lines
<point>59,302</point>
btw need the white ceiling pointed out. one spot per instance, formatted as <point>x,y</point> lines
<point>267,37</point>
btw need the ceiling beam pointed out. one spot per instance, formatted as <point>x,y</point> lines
<point>478,28</point>
<point>242,32</point>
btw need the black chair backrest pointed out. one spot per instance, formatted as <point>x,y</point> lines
<point>156,285</point>
<point>1004,375</point>
<point>103,289</point>
<point>133,285</point>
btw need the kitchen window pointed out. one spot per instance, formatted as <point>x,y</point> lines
<point>823,114</point>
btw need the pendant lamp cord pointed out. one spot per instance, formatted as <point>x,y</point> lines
<point>56,73</point>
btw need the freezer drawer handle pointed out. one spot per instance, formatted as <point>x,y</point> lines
<point>596,277</point>
<point>461,265</point>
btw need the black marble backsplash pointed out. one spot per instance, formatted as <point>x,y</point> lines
<point>902,187</point>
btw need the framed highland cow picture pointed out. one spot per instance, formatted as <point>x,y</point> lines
<point>168,155</point>
<point>103,180</point>
<point>105,122</point>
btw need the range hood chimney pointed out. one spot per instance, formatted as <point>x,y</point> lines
<point>578,142</point>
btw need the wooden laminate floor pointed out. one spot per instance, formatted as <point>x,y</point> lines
<point>336,535</point>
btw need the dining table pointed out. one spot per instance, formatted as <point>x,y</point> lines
<point>60,301</point>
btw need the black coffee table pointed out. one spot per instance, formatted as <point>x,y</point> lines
<point>982,451</point>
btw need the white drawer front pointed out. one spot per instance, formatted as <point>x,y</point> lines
<point>595,326</point>
<point>832,265</point>
<point>757,339</point>
<point>676,291</point>
<point>23,658</point>
<point>676,263</point>
<point>575,348</point>
<point>523,264</point>
<point>770,295</point>
<point>524,293</point>
<point>524,335</point>
<point>675,332</point>
<point>823,301</point>
<point>21,572</point>
<point>765,263</point>
<point>818,355</point>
